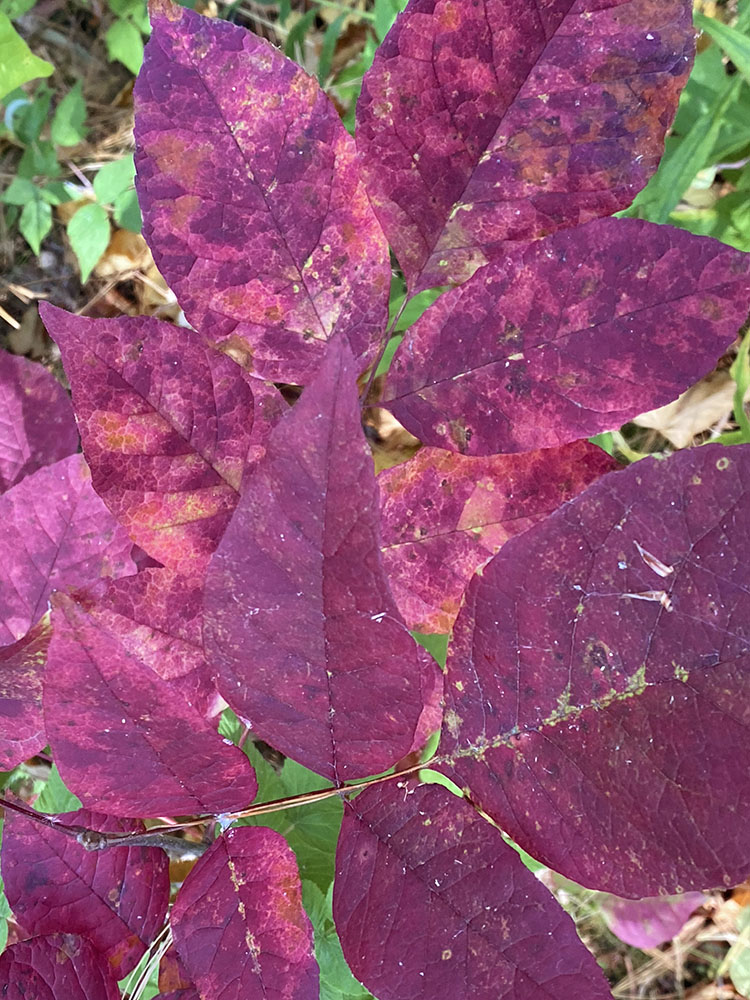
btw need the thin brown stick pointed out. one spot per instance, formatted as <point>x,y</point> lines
<point>160,836</point>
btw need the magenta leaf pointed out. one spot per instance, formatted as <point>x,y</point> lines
<point>156,617</point>
<point>166,423</point>
<point>117,898</point>
<point>599,663</point>
<point>238,921</point>
<point>430,901</point>
<point>647,923</point>
<point>21,671</point>
<point>301,625</point>
<point>549,345</point>
<point>37,426</point>
<point>252,198</point>
<point>497,120</point>
<point>56,534</point>
<point>126,741</point>
<point>58,967</point>
<point>443,515</point>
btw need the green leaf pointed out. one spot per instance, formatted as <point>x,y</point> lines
<point>125,45</point>
<point>683,159</point>
<point>56,797</point>
<point>4,914</point>
<point>311,830</point>
<point>113,179</point>
<point>739,965</point>
<point>56,192</point>
<point>385,15</point>
<point>124,8</point>
<point>18,64</point>
<point>127,212</point>
<point>88,232</point>
<point>19,191</point>
<point>733,42</point>
<point>328,47</point>
<point>294,46</point>
<point>16,8</point>
<point>436,645</point>
<point>39,160</point>
<point>67,125</point>
<point>336,980</point>
<point>35,222</point>
<point>29,120</point>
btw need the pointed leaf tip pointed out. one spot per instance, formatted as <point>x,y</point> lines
<point>299,619</point>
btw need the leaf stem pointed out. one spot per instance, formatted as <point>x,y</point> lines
<point>160,836</point>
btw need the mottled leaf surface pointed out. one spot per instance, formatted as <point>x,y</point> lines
<point>37,426</point>
<point>21,671</point>
<point>444,514</point>
<point>156,617</point>
<point>430,901</point>
<point>647,923</point>
<point>301,625</point>
<point>598,686</point>
<point>126,741</point>
<point>492,121</point>
<point>568,336</point>
<point>57,967</point>
<point>238,921</point>
<point>117,898</point>
<point>252,199</point>
<point>166,423</point>
<point>56,534</point>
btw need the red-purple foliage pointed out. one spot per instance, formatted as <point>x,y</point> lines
<point>594,705</point>
<point>116,899</point>
<point>37,426</point>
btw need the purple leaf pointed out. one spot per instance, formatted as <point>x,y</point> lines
<point>58,967</point>
<point>21,671</point>
<point>126,741</point>
<point>37,426</point>
<point>56,534</point>
<point>156,617</point>
<point>117,899</point>
<point>301,625</point>
<point>494,121</point>
<point>166,423</point>
<point>647,923</point>
<point>443,515</point>
<point>598,686</point>
<point>431,902</point>
<point>238,921</point>
<point>252,199</point>
<point>568,336</point>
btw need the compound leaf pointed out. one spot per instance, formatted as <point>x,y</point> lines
<point>430,901</point>
<point>57,967</point>
<point>56,534</point>
<point>300,622</point>
<point>568,336</point>
<point>444,514</point>
<point>252,199</point>
<point>126,741</point>
<point>37,426</point>
<point>238,922</point>
<point>494,121</point>
<point>598,684</point>
<point>117,899</point>
<point>166,422</point>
